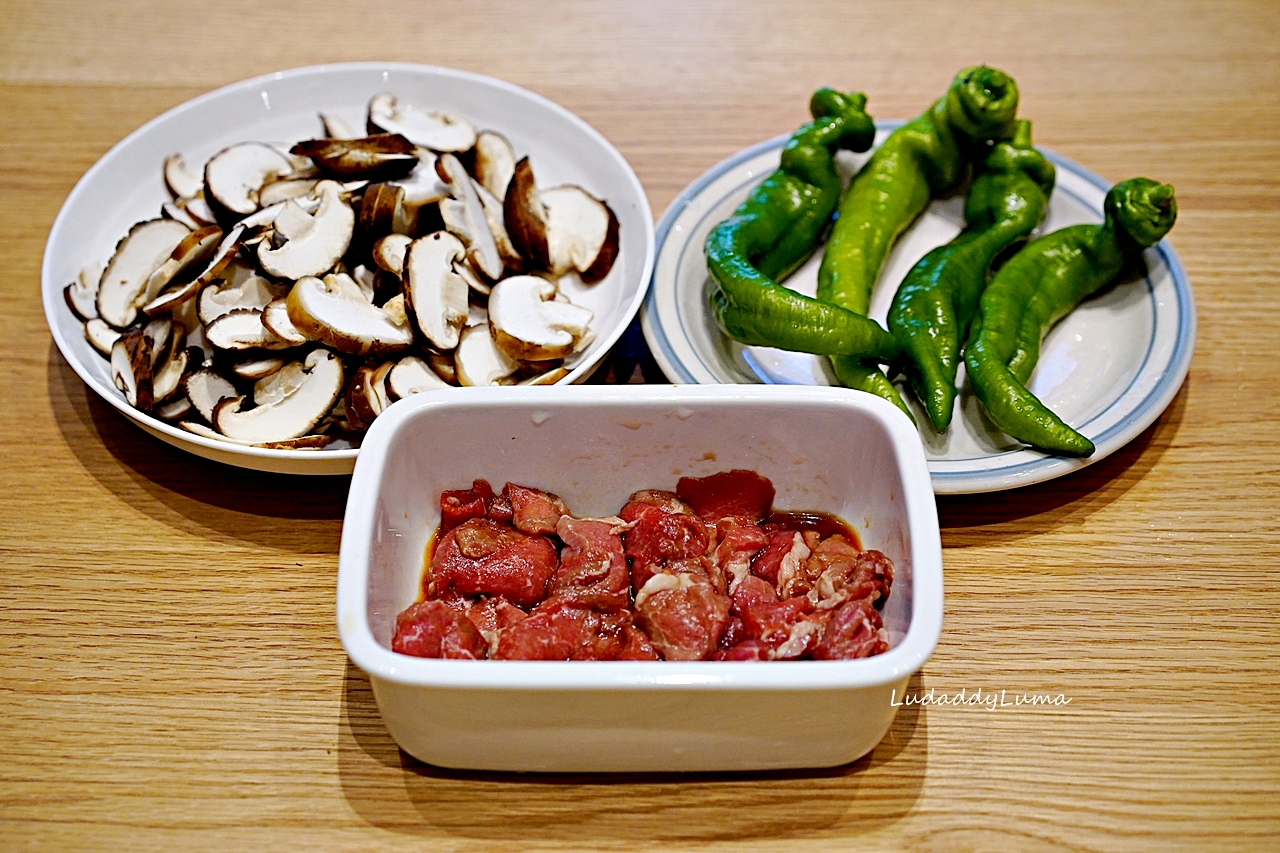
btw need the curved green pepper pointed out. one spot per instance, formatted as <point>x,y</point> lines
<point>921,159</point>
<point>1036,288</point>
<point>931,311</point>
<point>777,227</point>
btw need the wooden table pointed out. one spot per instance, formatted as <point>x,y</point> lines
<point>170,674</point>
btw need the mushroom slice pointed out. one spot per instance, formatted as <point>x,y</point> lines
<point>222,256</point>
<point>233,177</point>
<point>283,190</point>
<point>437,131</point>
<point>160,338</point>
<point>380,157</point>
<point>464,216</point>
<point>124,282</point>
<point>495,162</point>
<point>381,212</point>
<point>276,318</point>
<point>100,336</point>
<point>205,388</point>
<point>302,442</point>
<point>181,181</point>
<point>396,311</point>
<point>177,408</point>
<point>194,248</point>
<point>365,397</point>
<point>321,247</point>
<point>242,329</point>
<point>335,312</point>
<point>297,410</point>
<point>494,218</point>
<point>167,381</point>
<point>389,252</point>
<point>198,209</point>
<point>528,324</point>
<point>423,184</point>
<point>411,375</point>
<point>337,128</point>
<point>550,377</point>
<point>479,361</point>
<point>82,294</point>
<point>292,222</point>
<point>582,232</point>
<point>131,367</point>
<point>170,210</point>
<point>442,363</point>
<point>245,289</point>
<point>258,368</point>
<point>561,229</point>
<point>435,295</point>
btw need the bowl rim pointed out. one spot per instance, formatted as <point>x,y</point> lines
<point>261,457</point>
<point>893,666</point>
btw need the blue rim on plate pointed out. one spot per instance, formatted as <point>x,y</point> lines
<point>1151,367</point>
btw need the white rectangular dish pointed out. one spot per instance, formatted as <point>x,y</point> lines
<point>828,450</point>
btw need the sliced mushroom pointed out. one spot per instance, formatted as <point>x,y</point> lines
<point>479,361</point>
<point>335,312</point>
<point>442,363</point>
<point>423,185</point>
<point>381,212</point>
<point>205,388</point>
<point>495,162</point>
<point>464,216</point>
<point>561,229</point>
<point>218,261</point>
<point>435,295</point>
<point>161,339</point>
<point>258,368</point>
<point>550,377</point>
<point>321,247</point>
<point>171,210</point>
<point>243,289</point>
<point>582,233</point>
<point>82,294</point>
<point>131,367</point>
<point>280,383</point>
<point>233,176</point>
<point>396,311</point>
<point>242,329</point>
<point>178,407</point>
<point>181,181</point>
<point>276,318</point>
<point>302,442</point>
<point>124,282</point>
<point>294,414</point>
<point>198,209</point>
<point>496,221</point>
<point>389,252</point>
<point>283,190</point>
<point>364,399</point>
<point>100,335</point>
<point>195,248</point>
<point>337,128</point>
<point>411,375</point>
<point>167,381</point>
<point>528,324</point>
<point>437,131</point>
<point>380,157</point>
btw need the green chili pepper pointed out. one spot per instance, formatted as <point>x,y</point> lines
<point>931,311</point>
<point>777,227</point>
<point>1036,288</point>
<point>922,159</point>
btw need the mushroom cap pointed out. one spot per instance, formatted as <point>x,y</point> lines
<point>321,246</point>
<point>528,324</point>
<point>437,131</point>
<point>478,360</point>
<point>122,288</point>
<point>379,157</point>
<point>293,408</point>
<point>335,312</point>
<point>435,295</point>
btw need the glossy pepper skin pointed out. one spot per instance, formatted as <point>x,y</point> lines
<point>932,309</point>
<point>777,227</point>
<point>923,158</point>
<point>1036,288</point>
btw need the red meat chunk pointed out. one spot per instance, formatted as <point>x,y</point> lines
<point>738,541</point>
<point>729,493</point>
<point>532,511</point>
<point>854,630</point>
<point>433,629</point>
<point>637,646</point>
<point>593,568</point>
<point>559,630</point>
<point>843,573</point>
<point>747,650</point>
<point>459,505</point>
<point>664,529</point>
<point>486,557</point>
<point>683,615</point>
<point>490,615</point>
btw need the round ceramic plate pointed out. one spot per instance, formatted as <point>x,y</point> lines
<point>126,186</point>
<point>1109,368</point>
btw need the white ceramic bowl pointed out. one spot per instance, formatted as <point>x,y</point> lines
<point>828,450</point>
<point>126,186</point>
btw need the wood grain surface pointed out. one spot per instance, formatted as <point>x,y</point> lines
<point>170,674</point>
